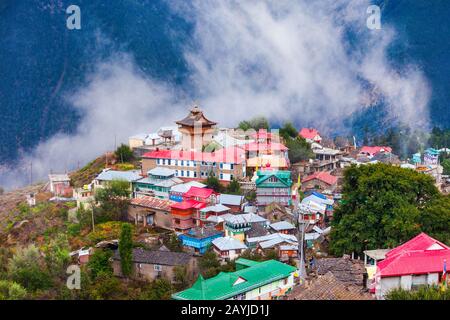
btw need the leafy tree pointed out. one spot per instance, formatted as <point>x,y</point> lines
<point>382,207</point>
<point>10,290</point>
<point>234,187</point>
<point>423,293</point>
<point>105,287</point>
<point>208,264</point>
<point>124,153</point>
<point>126,249</point>
<point>299,149</point>
<point>181,277</point>
<point>446,165</point>
<point>57,255</point>
<point>160,289</point>
<point>288,131</point>
<point>113,201</point>
<point>213,183</point>
<point>27,269</point>
<point>99,263</point>
<point>435,218</point>
<point>255,123</point>
<point>174,244</point>
<point>251,196</point>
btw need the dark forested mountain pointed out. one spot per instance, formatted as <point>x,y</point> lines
<point>41,61</point>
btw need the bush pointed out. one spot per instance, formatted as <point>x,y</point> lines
<point>27,269</point>
<point>99,263</point>
<point>10,290</point>
<point>423,293</point>
<point>124,153</point>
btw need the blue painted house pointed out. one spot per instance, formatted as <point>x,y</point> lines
<point>199,240</point>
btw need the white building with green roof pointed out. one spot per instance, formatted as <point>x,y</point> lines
<point>252,280</point>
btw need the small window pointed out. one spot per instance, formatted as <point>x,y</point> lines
<point>157,267</point>
<point>232,166</point>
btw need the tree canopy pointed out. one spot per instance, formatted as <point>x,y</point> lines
<point>384,206</point>
<point>299,149</point>
<point>254,123</point>
<point>124,153</point>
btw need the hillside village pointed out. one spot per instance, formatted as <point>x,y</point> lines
<point>195,211</point>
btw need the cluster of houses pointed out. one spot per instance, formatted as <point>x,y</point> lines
<point>169,192</point>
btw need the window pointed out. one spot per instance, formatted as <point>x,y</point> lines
<point>195,174</point>
<point>221,165</point>
<point>177,221</point>
<point>182,162</point>
<point>232,166</point>
<point>176,173</point>
<point>221,176</point>
<point>158,161</point>
<point>182,173</point>
<point>231,177</point>
<point>157,267</point>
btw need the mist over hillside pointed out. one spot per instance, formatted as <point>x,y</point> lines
<point>65,95</point>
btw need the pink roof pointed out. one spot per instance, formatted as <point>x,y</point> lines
<point>414,262</point>
<point>322,176</point>
<point>255,146</point>
<point>189,204</point>
<point>374,150</point>
<point>199,192</point>
<point>415,257</point>
<point>309,133</point>
<point>225,155</point>
<point>419,242</point>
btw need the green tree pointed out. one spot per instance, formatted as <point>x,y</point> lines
<point>99,263</point>
<point>10,290</point>
<point>446,165</point>
<point>234,187</point>
<point>255,123</point>
<point>381,207</point>
<point>213,183</point>
<point>209,264</point>
<point>288,131</point>
<point>173,243</point>
<point>299,149</point>
<point>124,153</point>
<point>435,218</point>
<point>160,289</point>
<point>113,201</point>
<point>28,269</point>
<point>126,249</point>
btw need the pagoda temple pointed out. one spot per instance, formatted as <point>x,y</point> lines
<point>196,130</point>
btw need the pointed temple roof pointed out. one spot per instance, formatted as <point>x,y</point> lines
<point>195,116</point>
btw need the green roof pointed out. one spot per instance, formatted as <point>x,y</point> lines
<point>283,177</point>
<point>223,285</point>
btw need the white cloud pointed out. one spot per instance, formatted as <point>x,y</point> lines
<point>288,60</point>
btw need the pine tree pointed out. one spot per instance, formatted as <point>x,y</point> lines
<point>126,249</point>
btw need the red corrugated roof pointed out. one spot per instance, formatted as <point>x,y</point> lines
<point>189,204</point>
<point>199,192</point>
<point>374,150</point>
<point>309,133</point>
<point>225,155</point>
<point>419,242</point>
<point>323,176</point>
<point>414,262</point>
<point>415,257</point>
<point>153,202</point>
